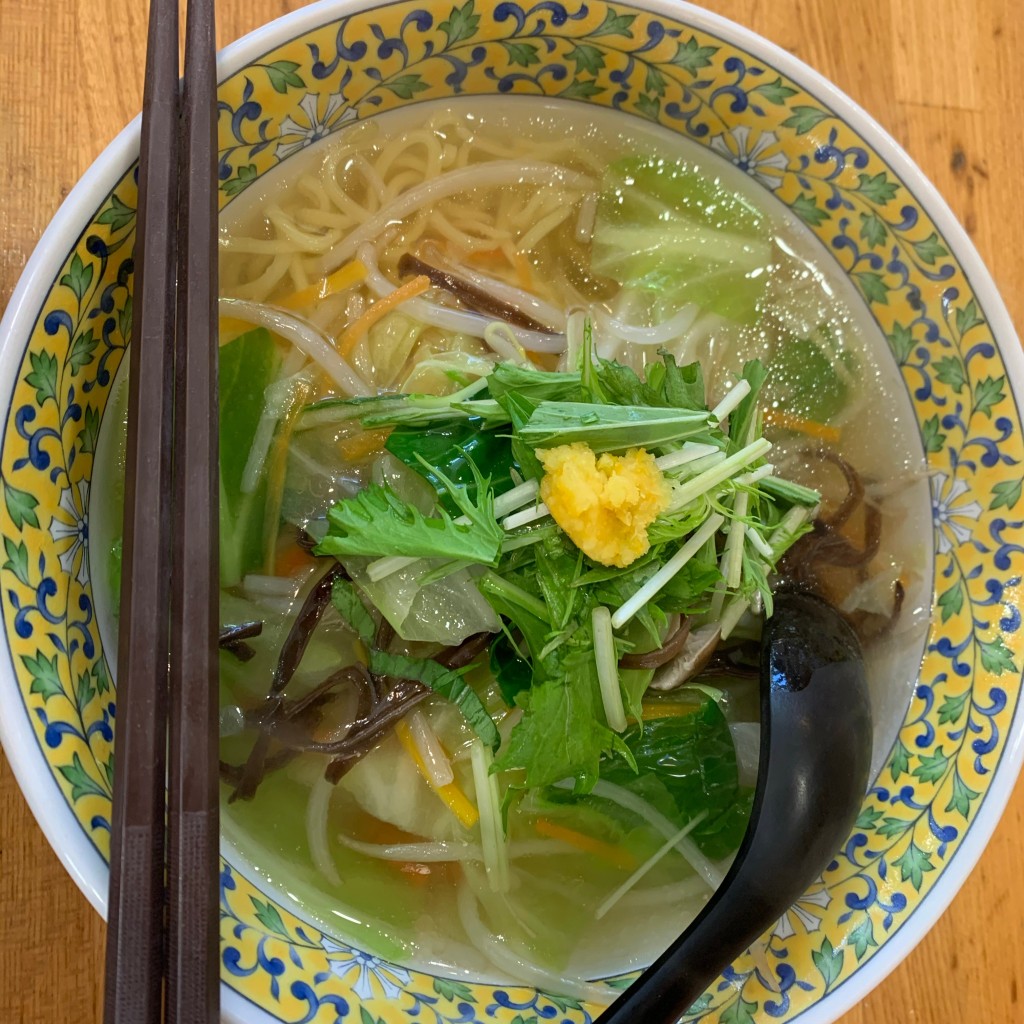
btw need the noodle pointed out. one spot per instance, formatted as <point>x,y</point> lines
<point>495,174</point>
<point>540,230</point>
<point>303,240</point>
<point>304,336</point>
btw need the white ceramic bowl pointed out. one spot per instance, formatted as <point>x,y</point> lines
<point>959,750</point>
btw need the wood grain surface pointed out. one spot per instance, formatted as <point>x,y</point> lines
<point>945,77</point>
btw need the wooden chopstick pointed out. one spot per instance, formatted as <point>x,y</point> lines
<point>135,933</point>
<point>193,978</point>
<point>163,936</point>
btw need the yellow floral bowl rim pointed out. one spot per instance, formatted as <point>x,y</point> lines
<point>285,86</point>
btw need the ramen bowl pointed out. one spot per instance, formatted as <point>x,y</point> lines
<point>954,747</point>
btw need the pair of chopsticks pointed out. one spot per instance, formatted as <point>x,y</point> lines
<point>163,926</point>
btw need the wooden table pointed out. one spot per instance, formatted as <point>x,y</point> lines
<point>943,77</point>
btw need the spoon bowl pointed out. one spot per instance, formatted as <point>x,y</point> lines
<point>814,767</point>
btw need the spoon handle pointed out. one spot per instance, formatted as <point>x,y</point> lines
<point>675,981</point>
<point>813,773</point>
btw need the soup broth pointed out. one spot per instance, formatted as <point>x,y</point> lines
<point>510,197</point>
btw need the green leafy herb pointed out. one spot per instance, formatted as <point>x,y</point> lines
<point>682,386</point>
<point>448,683</point>
<point>561,734</point>
<point>610,427</point>
<point>689,591</point>
<point>512,672</point>
<point>526,612</point>
<point>248,365</point>
<point>741,421</point>
<point>621,385</point>
<point>454,448</point>
<point>349,604</point>
<point>535,385</point>
<point>409,409</point>
<point>807,375</point>
<point>694,759</point>
<point>520,407</point>
<point>557,564</point>
<point>789,493</point>
<point>377,522</point>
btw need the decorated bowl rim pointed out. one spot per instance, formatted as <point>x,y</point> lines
<point>55,817</point>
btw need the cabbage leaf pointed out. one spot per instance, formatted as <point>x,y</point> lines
<point>667,228</point>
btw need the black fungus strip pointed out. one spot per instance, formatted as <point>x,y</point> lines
<point>825,545</point>
<point>308,543</point>
<point>385,634</point>
<point>470,295</point>
<point>462,654</point>
<point>873,627</point>
<point>232,639</point>
<point>854,486</point>
<point>669,648</point>
<point>288,661</point>
<point>355,746</point>
<point>239,631</point>
<point>233,773</point>
<point>740,661</point>
<point>294,727</point>
<point>240,649</point>
<point>253,770</point>
<point>305,622</point>
<point>363,735</point>
<point>291,726</point>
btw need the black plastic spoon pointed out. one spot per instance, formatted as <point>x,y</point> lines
<point>812,775</point>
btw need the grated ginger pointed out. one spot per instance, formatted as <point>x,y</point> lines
<point>604,504</point>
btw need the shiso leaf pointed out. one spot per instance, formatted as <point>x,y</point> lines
<point>446,682</point>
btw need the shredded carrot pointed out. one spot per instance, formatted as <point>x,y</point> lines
<point>544,360</point>
<point>354,332</point>
<point>787,421</point>
<point>371,829</point>
<point>614,855</point>
<point>667,709</point>
<point>488,257</point>
<point>344,277</point>
<point>524,274</point>
<point>366,442</point>
<point>230,327</point>
<point>291,560</point>
<point>454,799</point>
